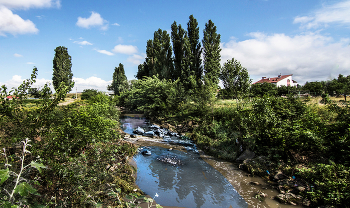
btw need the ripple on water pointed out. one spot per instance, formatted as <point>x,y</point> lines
<point>193,184</point>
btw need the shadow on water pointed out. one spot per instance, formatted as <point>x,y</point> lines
<point>193,184</point>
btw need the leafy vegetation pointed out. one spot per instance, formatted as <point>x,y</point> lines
<point>77,150</point>
<point>62,68</point>
<point>120,82</point>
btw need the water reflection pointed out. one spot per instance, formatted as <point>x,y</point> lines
<point>193,184</point>
<point>129,123</point>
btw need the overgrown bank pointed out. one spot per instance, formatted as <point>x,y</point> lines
<point>308,145</point>
<point>62,156</point>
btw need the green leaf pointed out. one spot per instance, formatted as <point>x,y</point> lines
<point>24,189</point>
<point>4,174</point>
<point>9,205</point>
<point>38,166</point>
<point>99,205</point>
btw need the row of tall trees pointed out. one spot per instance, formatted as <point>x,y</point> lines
<point>179,55</point>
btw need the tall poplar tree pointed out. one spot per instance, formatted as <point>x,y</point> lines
<point>158,57</point>
<point>212,57</point>
<point>196,50</point>
<point>178,37</point>
<point>62,68</point>
<point>120,82</point>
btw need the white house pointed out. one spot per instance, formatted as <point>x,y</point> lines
<point>280,80</point>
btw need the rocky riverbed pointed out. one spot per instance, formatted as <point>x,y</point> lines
<point>256,191</point>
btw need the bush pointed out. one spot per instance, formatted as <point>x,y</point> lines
<point>154,97</point>
<point>330,184</point>
<point>88,93</point>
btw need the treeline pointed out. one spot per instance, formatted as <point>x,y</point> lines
<point>335,87</point>
<point>178,56</point>
<point>183,58</point>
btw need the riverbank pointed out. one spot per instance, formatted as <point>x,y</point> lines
<point>245,184</point>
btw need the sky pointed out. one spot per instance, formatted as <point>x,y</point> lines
<point>309,39</point>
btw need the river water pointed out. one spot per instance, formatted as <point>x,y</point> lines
<point>200,180</point>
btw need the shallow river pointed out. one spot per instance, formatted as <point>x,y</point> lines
<point>200,180</point>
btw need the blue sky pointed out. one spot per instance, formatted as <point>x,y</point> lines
<point>309,39</point>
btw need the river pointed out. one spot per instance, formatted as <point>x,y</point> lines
<point>201,181</point>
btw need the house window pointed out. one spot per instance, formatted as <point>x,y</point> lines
<point>288,82</point>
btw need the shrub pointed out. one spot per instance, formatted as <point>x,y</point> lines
<point>88,93</point>
<point>330,184</point>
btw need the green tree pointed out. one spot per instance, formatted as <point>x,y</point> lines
<point>315,88</point>
<point>88,93</point>
<point>235,78</point>
<point>158,57</point>
<point>344,85</point>
<point>153,96</point>
<point>62,68</point>
<point>263,89</point>
<point>120,82</point>
<point>179,40</point>
<point>196,50</point>
<point>212,57</point>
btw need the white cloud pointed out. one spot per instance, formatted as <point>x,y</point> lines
<point>116,24</point>
<point>26,4</point>
<point>17,80</point>
<point>105,52</point>
<point>136,59</point>
<point>125,49</point>
<point>82,42</point>
<point>94,20</point>
<point>80,83</point>
<point>14,24</point>
<point>90,83</point>
<point>17,55</point>
<point>329,14</point>
<point>309,57</point>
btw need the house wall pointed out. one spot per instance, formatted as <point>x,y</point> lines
<point>284,82</point>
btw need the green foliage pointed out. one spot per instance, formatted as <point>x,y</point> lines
<point>91,177</point>
<point>211,52</point>
<point>79,143</point>
<point>263,89</point>
<point>62,69</point>
<point>315,88</point>
<point>195,59</point>
<point>330,184</point>
<point>159,57</point>
<point>120,82</point>
<point>235,79</point>
<point>154,97</point>
<point>80,125</point>
<point>88,93</point>
<point>19,121</point>
<point>13,179</point>
<point>286,90</point>
<point>180,42</point>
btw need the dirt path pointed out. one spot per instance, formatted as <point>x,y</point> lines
<point>67,102</point>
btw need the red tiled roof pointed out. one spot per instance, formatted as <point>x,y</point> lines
<point>11,97</point>
<point>273,79</point>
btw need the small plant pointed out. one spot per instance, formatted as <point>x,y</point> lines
<point>134,200</point>
<point>14,193</point>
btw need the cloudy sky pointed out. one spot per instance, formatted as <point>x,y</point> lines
<point>309,39</point>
